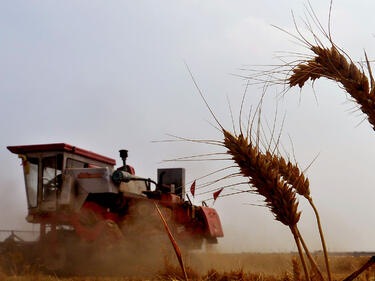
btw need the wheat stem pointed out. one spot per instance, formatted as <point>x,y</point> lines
<point>311,259</point>
<point>296,239</point>
<point>173,242</point>
<point>367,265</point>
<point>322,239</point>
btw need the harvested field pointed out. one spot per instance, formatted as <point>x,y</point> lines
<point>217,266</point>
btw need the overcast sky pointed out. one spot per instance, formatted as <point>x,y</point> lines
<point>107,75</point>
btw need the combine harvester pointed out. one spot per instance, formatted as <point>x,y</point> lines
<point>85,207</point>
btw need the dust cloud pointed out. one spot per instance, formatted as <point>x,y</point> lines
<point>13,208</point>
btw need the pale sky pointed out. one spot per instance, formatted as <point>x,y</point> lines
<point>107,75</point>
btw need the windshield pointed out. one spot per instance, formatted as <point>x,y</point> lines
<point>51,176</point>
<point>31,178</point>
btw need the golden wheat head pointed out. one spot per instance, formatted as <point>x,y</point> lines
<point>290,173</point>
<point>332,64</point>
<point>266,181</point>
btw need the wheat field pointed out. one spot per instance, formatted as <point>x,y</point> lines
<point>220,266</point>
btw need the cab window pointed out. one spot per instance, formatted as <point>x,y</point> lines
<point>72,163</point>
<point>31,179</point>
<point>51,174</point>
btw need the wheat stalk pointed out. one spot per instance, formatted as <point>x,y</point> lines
<point>311,259</point>
<point>298,243</point>
<point>173,241</point>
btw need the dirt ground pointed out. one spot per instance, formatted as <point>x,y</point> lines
<point>216,266</point>
<point>269,263</point>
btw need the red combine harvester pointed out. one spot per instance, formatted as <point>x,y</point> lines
<point>80,201</point>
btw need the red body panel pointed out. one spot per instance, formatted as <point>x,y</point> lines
<point>213,223</point>
<point>101,216</point>
<point>61,147</point>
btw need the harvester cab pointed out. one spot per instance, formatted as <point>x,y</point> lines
<point>46,168</point>
<point>76,193</point>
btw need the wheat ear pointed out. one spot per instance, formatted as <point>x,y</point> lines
<point>290,173</point>
<point>266,181</point>
<point>332,64</point>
